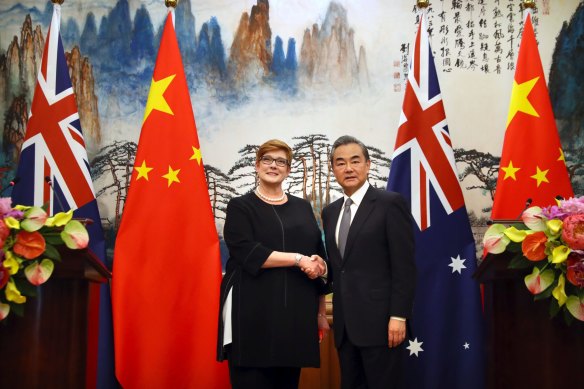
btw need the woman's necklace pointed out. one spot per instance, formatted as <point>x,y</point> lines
<point>270,199</point>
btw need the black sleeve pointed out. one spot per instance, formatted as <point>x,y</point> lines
<point>403,266</point>
<point>248,253</point>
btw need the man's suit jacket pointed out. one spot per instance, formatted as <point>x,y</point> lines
<point>376,278</point>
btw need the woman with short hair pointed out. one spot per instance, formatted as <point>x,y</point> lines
<point>272,294</point>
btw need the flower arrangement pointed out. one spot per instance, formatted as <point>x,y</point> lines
<point>28,240</point>
<point>550,241</point>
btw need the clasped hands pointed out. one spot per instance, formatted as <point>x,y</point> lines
<point>313,266</point>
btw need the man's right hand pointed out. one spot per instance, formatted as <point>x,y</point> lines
<point>312,266</point>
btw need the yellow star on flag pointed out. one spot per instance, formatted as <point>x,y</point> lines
<point>561,157</point>
<point>540,176</point>
<point>156,100</point>
<point>196,155</point>
<point>510,171</point>
<point>519,101</point>
<point>143,171</point>
<point>172,176</point>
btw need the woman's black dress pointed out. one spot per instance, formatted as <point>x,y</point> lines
<point>274,311</point>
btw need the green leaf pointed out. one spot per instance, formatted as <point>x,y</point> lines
<point>26,289</point>
<point>514,247</point>
<point>17,309</point>
<point>520,262</point>
<point>54,239</point>
<point>568,318</point>
<point>554,308</point>
<point>51,252</point>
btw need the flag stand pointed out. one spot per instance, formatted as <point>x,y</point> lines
<point>523,341</point>
<point>47,346</point>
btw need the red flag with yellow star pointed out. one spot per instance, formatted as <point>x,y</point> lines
<point>167,267</point>
<point>532,169</point>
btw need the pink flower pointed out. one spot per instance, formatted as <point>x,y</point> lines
<point>573,232</point>
<point>495,241</point>
<point>532,218</point>
<point>572,206</point>
<point>5,205</point>
<point>39,272</point>
<point>575,270</point>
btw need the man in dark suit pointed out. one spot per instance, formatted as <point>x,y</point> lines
<point>370,245</point>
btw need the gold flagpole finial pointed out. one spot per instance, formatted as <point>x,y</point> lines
<point>171,3</point>
<point>528,4</point>
<point>422,3</point>
<point>58,1</point>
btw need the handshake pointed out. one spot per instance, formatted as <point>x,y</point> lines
<point>313,266</point>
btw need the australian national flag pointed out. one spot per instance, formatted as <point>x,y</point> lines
<point>53,170</point>
<point>446,346</point>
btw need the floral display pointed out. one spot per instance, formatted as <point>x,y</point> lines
<point>550,241</point>
<point>28,240</point>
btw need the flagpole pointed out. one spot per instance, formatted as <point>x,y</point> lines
<point>422,7</point>
<point>171,6</point>
<point>57,9</point>
<point>171,3</point>
<point>527,6</point>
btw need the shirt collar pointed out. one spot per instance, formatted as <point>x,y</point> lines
<point>357,197</point>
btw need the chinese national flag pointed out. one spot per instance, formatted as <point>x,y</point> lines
<point>167,268</point>
<point>532,163</point>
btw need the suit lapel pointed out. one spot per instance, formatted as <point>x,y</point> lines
<point>361,216</point>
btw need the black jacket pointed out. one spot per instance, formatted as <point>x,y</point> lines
<point>376,279</point>
<point>274,316</point>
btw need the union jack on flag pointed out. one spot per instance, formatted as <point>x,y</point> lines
<point>53,150</point>
<point>446,344</point>
<point>423,132</point>
<point>53,171</point>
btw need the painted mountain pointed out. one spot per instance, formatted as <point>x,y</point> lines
<point>18,72</point>
<point>113,58</point>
